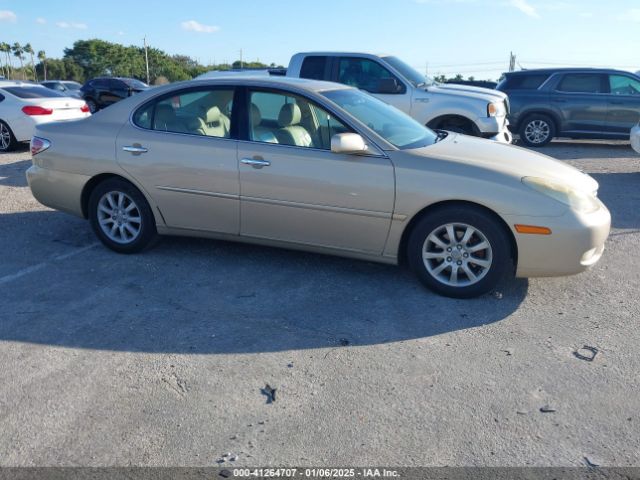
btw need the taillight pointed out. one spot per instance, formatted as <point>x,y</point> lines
<point>85,108</point>
<point>39,145</point>
<point>36,110</point>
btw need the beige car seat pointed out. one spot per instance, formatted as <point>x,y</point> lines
<point>291,132</point>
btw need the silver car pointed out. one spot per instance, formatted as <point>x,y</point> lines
<point>321,167</point>
<point>635,138</point>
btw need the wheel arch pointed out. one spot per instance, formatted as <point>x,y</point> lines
<point>440,121</point>
<point>101,177</point>
<point>524,116</point>
<point>406,233</point>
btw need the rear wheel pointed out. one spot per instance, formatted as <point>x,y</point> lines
<point>537,130</point>
<point>93,106</point>
<point>7,139</point>
<point>459,251</point>
<point>121,217</point>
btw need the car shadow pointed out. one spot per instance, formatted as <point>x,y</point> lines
<point>211,297</point>
<point>620,193</point>
<point>13,174</point>
<point>586,149</point>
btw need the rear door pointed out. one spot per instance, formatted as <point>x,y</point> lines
<point>624,104</point>
<point>580,100</point>
<point>188,166</point>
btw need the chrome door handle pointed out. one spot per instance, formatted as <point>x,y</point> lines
<point>256,162</point>
<point>135,149</point>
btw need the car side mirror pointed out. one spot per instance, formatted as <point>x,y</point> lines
<point>348,143</point>
<point>389,85</point>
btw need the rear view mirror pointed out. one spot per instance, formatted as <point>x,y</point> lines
<point>389,85</point>
<point>348,143</point>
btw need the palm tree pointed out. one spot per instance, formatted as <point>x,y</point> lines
<point>29,49</point>
<point>42,56</point>
<point>6,48</point>
<point>18,51</point>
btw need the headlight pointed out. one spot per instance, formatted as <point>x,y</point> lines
<point>576,199</point>
<point>496,109</point>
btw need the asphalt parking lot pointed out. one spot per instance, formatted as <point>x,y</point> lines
<point>160,358</point>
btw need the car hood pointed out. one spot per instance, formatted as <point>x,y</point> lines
<point>506,159</point>
<point>468,91</point>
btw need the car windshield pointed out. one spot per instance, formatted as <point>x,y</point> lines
<point>416,78</point>
<point>133,83</point>
<point>72,85</point>
<point>31,92</point>
<point>390,123</point>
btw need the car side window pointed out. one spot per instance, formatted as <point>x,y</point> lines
<point>366,75</point>
<point>204,112</point>
<point>288,119</point>
<point>581,83</point>
<point>623,85</point>
<point>314,68</point>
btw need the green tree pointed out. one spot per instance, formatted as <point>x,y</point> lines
<point>18,51</point>
<point>29,49</point>
<point>42,56</point>
<point>6,48</point>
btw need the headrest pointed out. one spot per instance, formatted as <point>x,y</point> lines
<point>256,117</point>
<point>164,114</point>
<point>213,115</point>
<point>290,115</point>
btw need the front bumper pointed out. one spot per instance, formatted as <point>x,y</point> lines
<point>576,243</point>
<point>495,128</point>
<point>635,138</point>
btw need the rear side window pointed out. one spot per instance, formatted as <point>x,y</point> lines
<point>32,92</point>
<point>314,68</point>
<point>581,83</point>
<point>524,82</point>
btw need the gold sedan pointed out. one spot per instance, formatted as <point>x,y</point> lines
<point>320,167</point>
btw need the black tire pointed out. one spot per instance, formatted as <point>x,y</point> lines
<point>498,255</point>
<point>537,130</point>
<point>145,227</point>
<point>456,125</point>
<point>8,140</point>
<point>93,106</point>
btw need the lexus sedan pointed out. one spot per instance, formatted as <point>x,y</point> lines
<point>321,167</point>
<point>25,105</point>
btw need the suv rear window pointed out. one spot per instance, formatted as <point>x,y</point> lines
<point>524,82</point>
<point>581,83</point>
<point>32,92</point>
<point>313,68</point>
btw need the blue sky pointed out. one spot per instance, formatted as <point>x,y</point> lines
<point>473,37</point>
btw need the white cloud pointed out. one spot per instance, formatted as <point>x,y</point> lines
<point>525,8</point>
<point>193,26</point>
<point>41,20</point>
<point>79,26</point>
<point>7,16</point>
<point>121,33</point>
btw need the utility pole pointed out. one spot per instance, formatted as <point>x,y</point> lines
<point>512,62</point>
<point>146,57</point>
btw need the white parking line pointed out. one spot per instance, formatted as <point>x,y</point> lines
<point>35,268</point>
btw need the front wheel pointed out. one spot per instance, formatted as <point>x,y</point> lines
<point>459,252</point>
<point>121,217</point>
<point>537,130</point>
<point>7,139</point>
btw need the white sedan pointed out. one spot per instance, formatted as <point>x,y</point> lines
<point>635,138</point>
<point>25,105</point>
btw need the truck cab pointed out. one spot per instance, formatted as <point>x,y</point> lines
<point>464,109</point>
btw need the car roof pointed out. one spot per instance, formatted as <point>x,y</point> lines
<point>565,70</point>
<point>18,83</point>
<point>275,81</point>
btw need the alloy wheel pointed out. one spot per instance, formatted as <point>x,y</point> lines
<point>457,254</point>
<point>5,137</point>
<point>119,217</point>
<point>537,131</point>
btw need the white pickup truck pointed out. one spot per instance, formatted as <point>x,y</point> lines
<point>471,110</point>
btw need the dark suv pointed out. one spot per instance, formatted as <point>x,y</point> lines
<point>574,103</point>
<point>102,92</point>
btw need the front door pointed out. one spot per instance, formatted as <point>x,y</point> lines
<point>294,189</point>
<point>181,149</point>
